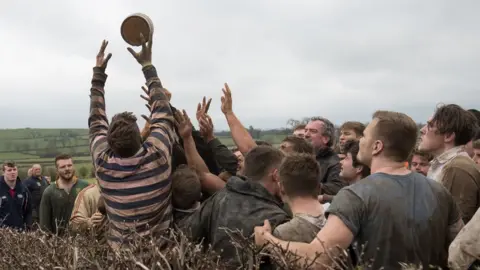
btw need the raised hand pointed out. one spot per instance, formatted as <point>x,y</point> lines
<point>202,108</point>
<point>184,125</point>
<point>206,128</point>
<point>102,61</point>
<point>226,100</point>
<point>146,97</point>
<point>144,57</point>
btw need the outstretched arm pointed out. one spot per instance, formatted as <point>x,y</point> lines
<point>97,121</point>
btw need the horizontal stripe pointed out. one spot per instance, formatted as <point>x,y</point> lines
<point>134,177</point>
<point>153,223</point>
<point>135,190</point>
<point>127,205</point>
<point>114,166</point>
<point>145,217</point>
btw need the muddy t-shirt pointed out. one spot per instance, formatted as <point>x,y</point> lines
<point>301,228</point>
<point>398,218</point>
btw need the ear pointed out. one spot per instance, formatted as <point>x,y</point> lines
<point>449,138</point>
<point>275,176</point>
<point>377,147</point>
<point>359,169</point>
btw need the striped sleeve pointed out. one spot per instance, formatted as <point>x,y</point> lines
<point>162,121</point>
<point>97,121</point>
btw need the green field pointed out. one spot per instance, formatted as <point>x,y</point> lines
<point>40,146</point>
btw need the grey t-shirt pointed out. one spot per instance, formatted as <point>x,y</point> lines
<point>398,219</point>
<point>301,228</point>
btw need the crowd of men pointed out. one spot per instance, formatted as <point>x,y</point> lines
<point>400,197</point>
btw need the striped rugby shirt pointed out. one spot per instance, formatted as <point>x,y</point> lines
<point>137,190</point>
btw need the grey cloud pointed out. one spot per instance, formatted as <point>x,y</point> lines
<point>282,59</point>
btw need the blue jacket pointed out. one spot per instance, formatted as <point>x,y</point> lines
<point>36,187</point>
<point>16,211</point>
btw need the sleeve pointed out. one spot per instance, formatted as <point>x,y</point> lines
<point>46,211</point>
<point>28,210</point>
<point>333,182</point>
<point>80,219</point>
<point>465,249</point>
<point>349,208</point>
<point>162,121</point>
<point>463,189</point>
<point>224,157</point>
<point>199,221</point>
<point>97,121</point>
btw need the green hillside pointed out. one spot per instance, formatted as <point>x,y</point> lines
<point>30,146</point>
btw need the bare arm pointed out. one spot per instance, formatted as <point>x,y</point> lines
<point>334,234</point>
<point>240,135</point>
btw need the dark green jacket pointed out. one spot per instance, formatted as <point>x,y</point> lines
<point>57,205</point>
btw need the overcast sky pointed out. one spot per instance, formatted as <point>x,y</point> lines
<point>282,59</point>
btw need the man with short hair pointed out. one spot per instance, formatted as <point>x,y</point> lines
<point>320,132</point>
<point>186,195</point>
<point>293,144</point>
<point>244,203</point>
<point>444,136</point>
<point>133,175</point>
<point>420,161</point>
<point>350,131</point>
<point>298,176</point>
<point>352,169</point>
<point>59,197</point>
<point>36,184</point>
<point>299,131</point>
<point>15,200</point>
<point>396,216</point>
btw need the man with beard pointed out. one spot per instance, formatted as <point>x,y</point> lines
<point>320,133</point>
<point>59,197</point>
<point>36,184</point>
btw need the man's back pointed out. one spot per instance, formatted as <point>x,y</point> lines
<point>400,218</point>
<point>241,205</point>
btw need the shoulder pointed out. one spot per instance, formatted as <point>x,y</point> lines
<point>464,164</point>
<point>82,183</point>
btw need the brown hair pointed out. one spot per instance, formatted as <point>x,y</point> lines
<point>260,142</point>
<point>300,145</point>
<point>186,188</point>
<point>423,154</point>
<point>9,163</point>
<point>62,157</point>
<point>353,147</point>
<point>476,144</point>
<point>300,126</point>
<point>260,160</point>
<point>398,132</point>
<point>453,119</point>
<point>123,135</point>
<point>357,127</point>
<point>299,175</point>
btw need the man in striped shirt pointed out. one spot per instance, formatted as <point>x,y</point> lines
<point>134,176</point>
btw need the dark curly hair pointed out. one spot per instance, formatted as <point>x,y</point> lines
<point>124,135</point>
<point>453,119</point>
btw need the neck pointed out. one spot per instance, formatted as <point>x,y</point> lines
<point>305,205</point>
<point>11,183</point>
<point>383,165</point>
<point>356,179</point>
<point>64,181</point>
<point>442,150</point>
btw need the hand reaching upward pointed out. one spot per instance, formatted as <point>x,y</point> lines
<point>184,125</point>
<point>202,108</point>
<point>226,100</point>
<point>102,61</point>
<point>144,57</point>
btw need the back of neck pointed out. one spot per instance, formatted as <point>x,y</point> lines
<point>306,205</point>
<point>384,165</point>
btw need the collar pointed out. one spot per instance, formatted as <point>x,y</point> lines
<point>75,180</point>
<point>449,155</point>
<point>188,211</point>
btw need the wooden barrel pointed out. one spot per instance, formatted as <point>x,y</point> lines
<point>135,24</point>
